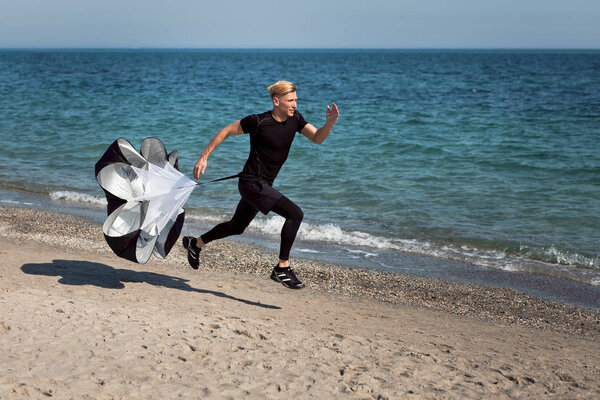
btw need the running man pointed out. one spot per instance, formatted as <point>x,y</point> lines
<point>271,136</point>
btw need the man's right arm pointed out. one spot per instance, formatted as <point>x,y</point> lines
<point>232,129</point>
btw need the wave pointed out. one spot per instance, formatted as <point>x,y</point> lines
<point>204,217</point>
<point>329,233</point>
<point>334,234</point>
<point>77,197</point>
<point>560,256</point>
<point>525,258</point>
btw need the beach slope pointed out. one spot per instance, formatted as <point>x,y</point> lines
<point>78,322</point>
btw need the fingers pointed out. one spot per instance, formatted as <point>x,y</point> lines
<point>333,109</point>
<point>332,113</point>
<point>199,168</point>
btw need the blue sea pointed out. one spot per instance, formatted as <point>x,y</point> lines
<point>483,158</point>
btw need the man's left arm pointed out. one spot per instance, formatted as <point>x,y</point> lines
<point>319,135</point>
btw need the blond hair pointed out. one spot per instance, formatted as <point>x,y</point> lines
<point>281,88</point>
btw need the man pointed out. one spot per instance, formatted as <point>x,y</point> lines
<point>271,136</point>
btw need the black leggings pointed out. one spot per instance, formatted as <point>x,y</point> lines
<point>245,213</point>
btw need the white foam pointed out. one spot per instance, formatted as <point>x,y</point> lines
<point>270,226</point>
<point>308,251</point>
<point>77,197</point>
<point>16,202</point>
<point>509,267</point>
<point>194,216</point>
<point>569,258</point>
<point>329,233</point>
<point>362,253</point>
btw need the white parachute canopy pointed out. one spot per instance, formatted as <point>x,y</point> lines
<point>166,190</point>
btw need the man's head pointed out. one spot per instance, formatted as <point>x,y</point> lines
<point>284,97</point>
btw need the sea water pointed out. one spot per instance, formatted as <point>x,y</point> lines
<point>484,157</point>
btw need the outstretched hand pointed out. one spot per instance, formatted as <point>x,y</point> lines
<point>332,114</point>
<point>200,167</point>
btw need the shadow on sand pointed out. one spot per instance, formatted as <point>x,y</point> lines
<point>102,275</point>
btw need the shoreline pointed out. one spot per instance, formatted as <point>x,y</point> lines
<point>567,284</point>
<point>76,321</point>
<point>480,301</point>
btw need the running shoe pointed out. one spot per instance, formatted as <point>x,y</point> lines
<point>286,277</point>
<point>189,243</point>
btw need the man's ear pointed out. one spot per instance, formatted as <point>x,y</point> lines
<point>276,101</point>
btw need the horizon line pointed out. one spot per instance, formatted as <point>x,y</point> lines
<point>301,48</point>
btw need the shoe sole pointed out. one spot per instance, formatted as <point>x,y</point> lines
<point>186,244</point>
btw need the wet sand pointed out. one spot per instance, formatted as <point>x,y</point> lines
<point>78,322</point>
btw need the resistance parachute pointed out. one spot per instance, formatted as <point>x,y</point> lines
<point>146,194</point>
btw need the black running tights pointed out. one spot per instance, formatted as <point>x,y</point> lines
<point>245,213</point>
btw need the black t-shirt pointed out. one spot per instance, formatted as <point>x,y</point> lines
<point>270,143</point>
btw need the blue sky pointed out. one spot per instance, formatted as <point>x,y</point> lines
<point>304,24</point>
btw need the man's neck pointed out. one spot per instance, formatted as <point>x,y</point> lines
<point>279,117</point>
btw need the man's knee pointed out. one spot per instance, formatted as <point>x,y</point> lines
<point>297,214</point>
<point>288,210</point>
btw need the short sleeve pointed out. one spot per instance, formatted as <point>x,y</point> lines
<point>301,122</point>
<point>249,123</point>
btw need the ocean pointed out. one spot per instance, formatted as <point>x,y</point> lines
<point>487,158</point>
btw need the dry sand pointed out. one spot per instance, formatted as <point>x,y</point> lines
<point>78,322</point>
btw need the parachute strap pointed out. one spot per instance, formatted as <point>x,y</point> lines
<point>220,179</point>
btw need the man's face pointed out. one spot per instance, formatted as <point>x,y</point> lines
<point>286,103</point>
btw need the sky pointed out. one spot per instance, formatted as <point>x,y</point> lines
<point>302,24</point>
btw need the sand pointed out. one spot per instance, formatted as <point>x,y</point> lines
<point>78,322</point>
